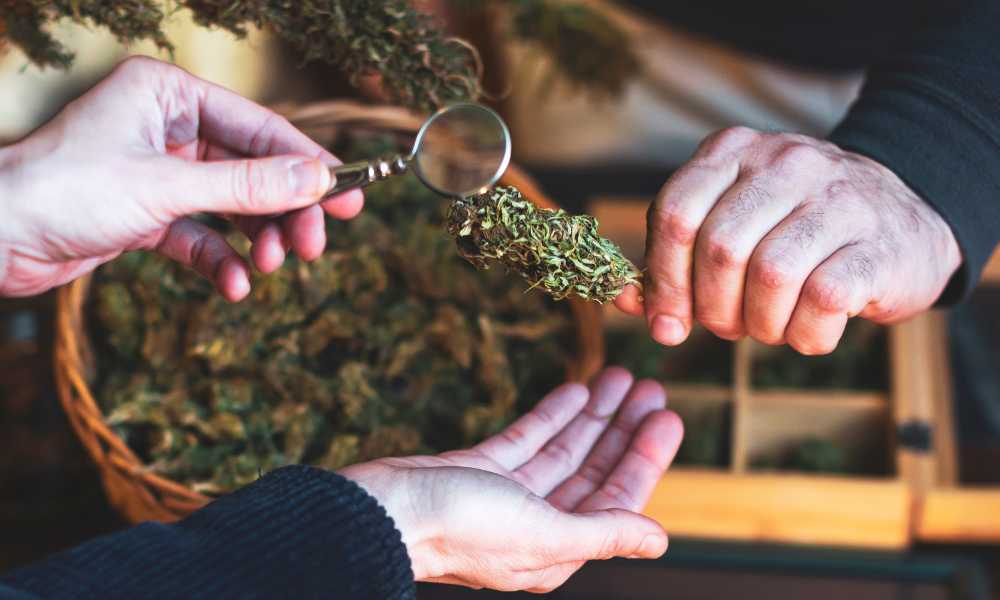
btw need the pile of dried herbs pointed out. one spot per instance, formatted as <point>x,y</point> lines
<point>559,253</point>
<point>388,344</point>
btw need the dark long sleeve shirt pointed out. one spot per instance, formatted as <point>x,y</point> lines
<point>298,532</point>
<point>930,107</point>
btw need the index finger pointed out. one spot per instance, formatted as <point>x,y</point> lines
<point>673,222</point>
<point>244,127</point>
<point>249,129</point>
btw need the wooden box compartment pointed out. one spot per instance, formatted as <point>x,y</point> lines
<point>785,430</point>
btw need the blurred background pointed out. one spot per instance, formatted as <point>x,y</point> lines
<point>871,472</point>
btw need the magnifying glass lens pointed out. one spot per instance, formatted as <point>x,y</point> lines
<point>462,150</point>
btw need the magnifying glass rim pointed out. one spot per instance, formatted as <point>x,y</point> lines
<point>445,109</point>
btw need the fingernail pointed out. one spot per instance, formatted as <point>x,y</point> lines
<point>667,330</point>
<point>309,179</point>
<point>652,545</point>
<point>232,279</point>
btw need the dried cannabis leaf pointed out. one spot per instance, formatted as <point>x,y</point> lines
<point>561,253</point>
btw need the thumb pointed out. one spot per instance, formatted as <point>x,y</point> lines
<point>630,301</point>
<point>604,534</point>
<point>253,186</point>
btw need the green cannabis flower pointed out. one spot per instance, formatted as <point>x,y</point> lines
<point>561,253</point>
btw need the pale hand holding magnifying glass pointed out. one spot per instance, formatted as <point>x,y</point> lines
<point>458,151</point>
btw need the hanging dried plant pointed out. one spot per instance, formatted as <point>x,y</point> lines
<point>420,66</point>
<point>586,47</point>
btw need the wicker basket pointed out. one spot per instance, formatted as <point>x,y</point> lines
<point>141,495</point>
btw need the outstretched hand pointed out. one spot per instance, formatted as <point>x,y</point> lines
<point>125,166</point>
<point>526,508</point>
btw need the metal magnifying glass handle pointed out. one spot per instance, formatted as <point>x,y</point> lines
<point>361,173</point>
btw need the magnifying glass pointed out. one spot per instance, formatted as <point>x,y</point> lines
<point>459,150</point>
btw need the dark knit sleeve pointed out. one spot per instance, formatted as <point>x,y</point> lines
<point>930,112</point>
<point>298,532</point>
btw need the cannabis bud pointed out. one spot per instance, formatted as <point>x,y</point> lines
<point>561,253</point>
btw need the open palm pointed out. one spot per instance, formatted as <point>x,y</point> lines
<point>526,508</point>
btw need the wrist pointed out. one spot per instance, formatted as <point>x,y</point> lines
<point>393,490</point>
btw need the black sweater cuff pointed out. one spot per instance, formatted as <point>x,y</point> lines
<point>298,532</point>
<point>929,114</point>
<point>937,158</point>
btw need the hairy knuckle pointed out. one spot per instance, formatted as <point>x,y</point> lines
<point>671,224</point>
<point>841,190</point>
<point>827,293</point>
<point>738,134</point>
<point>727,140</point>
<point>722,252</point>
<point>771,274</point>
<point>863,266</point>
<point>798,157</point>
